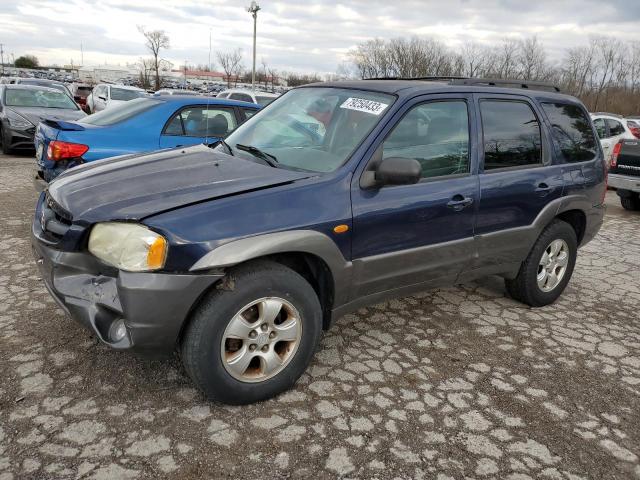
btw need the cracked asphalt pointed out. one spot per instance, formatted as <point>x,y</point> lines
<point>449,384</point>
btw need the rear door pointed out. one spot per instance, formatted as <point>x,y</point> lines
<point>417,234</point>
<point>197,124</point>
<point>517,177</point>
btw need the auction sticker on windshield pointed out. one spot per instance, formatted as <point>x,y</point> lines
<point>362,105</point>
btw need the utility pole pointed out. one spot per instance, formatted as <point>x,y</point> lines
<point>253,9</point>
<point>2,57</point>
<point>209,64</point>
<point>81,56</point>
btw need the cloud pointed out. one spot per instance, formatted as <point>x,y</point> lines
<point>313,35</point>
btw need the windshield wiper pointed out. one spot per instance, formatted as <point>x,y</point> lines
<point>221,141</point>
<point>269,159</point>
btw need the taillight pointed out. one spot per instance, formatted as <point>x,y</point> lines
<point>615,153</point>
<point>634,129</point>
<point>58,150</point>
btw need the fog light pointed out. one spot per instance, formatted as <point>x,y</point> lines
<point>118,330</point>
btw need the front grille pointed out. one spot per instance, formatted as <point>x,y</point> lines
<point>54,220</point>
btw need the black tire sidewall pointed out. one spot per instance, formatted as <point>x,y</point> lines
<point>556,231</point>
<point>202,356</point>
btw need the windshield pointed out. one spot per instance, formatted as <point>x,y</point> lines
<point>31,97</point>
<point>314,129</point>
<point>124,94</point>
<point>264,100</point>
<point>121,113</point>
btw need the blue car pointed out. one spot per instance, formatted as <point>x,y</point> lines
<point>337,196</point>
<point>140,125</point>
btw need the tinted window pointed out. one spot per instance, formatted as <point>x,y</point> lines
<point>436,135</point>
<point>126,95</point>
<point>571,132</point>
<point>200,122</point>
<point>615,127</point>
<point>121,113</point>
<point>241,96</point>
<point>511,134</point>
<point>600,127</point>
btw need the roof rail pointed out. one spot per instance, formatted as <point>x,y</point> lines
<point>488,82</point>
<point>430,78</point>
<point>507,83</point>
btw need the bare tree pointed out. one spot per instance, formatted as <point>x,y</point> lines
<point>145,67</point>
<point>231,63</point>
<point>156,40</point>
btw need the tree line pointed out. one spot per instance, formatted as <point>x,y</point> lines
<point>604,73</point>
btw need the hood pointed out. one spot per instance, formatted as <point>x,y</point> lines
<point>37,114</point>
<point>138,186</point>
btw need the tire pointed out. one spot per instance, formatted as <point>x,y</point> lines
<point>631,203</point>
<point>202,342</point>
<point>5,147</point>
<point>525,287</point>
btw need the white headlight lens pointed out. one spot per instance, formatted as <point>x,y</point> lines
<point>128,246</point>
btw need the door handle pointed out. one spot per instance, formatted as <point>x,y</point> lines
<point>543,189</point>
<point>459,202</point>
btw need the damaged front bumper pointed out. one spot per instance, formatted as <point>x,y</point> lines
<point>152,306</point>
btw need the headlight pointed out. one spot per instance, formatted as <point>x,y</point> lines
<point>128,246</point>
<point>17,121</point>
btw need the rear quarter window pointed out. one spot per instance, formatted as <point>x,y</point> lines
<point>571,132</point>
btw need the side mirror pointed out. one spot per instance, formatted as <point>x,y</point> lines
<point>398,171</point>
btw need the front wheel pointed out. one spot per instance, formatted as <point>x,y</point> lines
<point>253,336</point>
<point>547,269</point>
<point>6,149</point>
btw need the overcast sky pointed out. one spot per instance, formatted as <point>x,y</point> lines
<point>302,35</point>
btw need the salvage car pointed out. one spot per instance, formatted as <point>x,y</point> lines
<point>141,125</point>
<point>22,107</point>
<point>239,256</point>
<point>624,173</point>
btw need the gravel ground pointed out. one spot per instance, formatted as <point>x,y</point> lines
<point>453,383</point>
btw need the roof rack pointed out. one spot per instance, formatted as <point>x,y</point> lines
<point>430,78</point>
<point>508,83</point>
<point>488,82</point>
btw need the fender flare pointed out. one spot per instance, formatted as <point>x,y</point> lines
<point>299,241</point>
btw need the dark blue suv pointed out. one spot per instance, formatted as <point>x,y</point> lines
<point>335,196</point>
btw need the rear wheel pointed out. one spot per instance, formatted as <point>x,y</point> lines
<point>5,144</point>
<point>631,202</point>
<point>252,338</point>
<point>545,273</point>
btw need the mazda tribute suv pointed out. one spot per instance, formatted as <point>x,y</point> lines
<point>337,195</point>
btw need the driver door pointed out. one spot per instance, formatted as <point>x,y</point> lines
<point>420,234</point>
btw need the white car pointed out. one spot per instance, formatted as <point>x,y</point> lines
<point>611,128</point>
<point>261,98</point>
<point>105,95</point>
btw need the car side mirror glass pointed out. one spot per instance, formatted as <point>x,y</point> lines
<point>398,171</point>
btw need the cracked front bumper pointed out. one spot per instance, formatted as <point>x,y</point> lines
<point>154,306</point>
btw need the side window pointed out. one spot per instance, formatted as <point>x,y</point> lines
<point>571,132</point>
<point>615,127</point>
<point>200,122</point>
<point>600,127</point>
<point>511,134</point>
<point>436,134</point>
<point>249,112</point>
<point>242,97</point>
<point>174,127</point>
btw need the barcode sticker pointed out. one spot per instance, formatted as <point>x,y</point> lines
<point>362,105</point>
